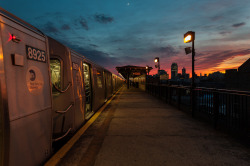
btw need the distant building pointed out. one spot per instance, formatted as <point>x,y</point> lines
<point>195,76</point>
<point>184,75</point>
<point>179,75</point>
<point>231,82</point>
<point>216,76</point>
<point>163,75</point>
<point>161,72</point>
<point>183,71</point>
<point>174,70</point>
<point>203,78</point>
<point>239,79</point>
<point>245,67</point>
<point>231,71</point>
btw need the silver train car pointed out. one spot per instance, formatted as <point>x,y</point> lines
<point>47,91</point>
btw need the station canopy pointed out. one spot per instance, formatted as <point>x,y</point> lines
<point>132,71</point>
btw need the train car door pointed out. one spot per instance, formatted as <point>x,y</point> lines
<point>62,91</point>
<point>88,90</point>
<point>78,90</point>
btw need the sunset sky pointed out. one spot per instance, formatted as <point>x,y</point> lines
<point>133,32</point>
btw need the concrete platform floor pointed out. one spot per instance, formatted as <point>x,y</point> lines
<point>137,129</point>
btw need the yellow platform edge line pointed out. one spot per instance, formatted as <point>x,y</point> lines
<point>55,159</point>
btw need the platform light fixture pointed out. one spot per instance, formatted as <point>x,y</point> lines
<point>157,60</point>
<point>190,37</point>
<point>147,69</point>
<point>188,50</point>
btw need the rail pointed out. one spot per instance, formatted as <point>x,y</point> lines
<point>228,110</point>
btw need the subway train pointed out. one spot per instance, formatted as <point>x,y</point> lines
<point>47,91</point>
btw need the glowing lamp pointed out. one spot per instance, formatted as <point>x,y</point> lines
<point>189,37</point>
<point>156,59</point>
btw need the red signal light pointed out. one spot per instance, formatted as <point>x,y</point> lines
<point>10,37</point>
<point>14,38</point>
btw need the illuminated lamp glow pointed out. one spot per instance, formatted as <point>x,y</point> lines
<point>187,39</point>
<point>156,60</point>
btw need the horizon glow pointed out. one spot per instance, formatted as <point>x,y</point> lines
<point>119,33</point>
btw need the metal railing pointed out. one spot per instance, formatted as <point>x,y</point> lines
<point>228,110</point>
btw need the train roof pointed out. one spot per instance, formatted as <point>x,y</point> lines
<point>19,21</point>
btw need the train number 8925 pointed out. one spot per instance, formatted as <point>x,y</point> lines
<point>35,54</point>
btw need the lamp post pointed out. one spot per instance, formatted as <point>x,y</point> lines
<point>157,60</point>
<point>147,70</point>
<point>190,37</point>
<point>147,73</point>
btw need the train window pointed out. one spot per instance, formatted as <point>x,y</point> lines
<point>55,71</point>
<point>86,75</point>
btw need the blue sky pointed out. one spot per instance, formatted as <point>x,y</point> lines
<point>133,32</point>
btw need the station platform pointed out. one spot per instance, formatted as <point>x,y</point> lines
<point>137,129</point>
